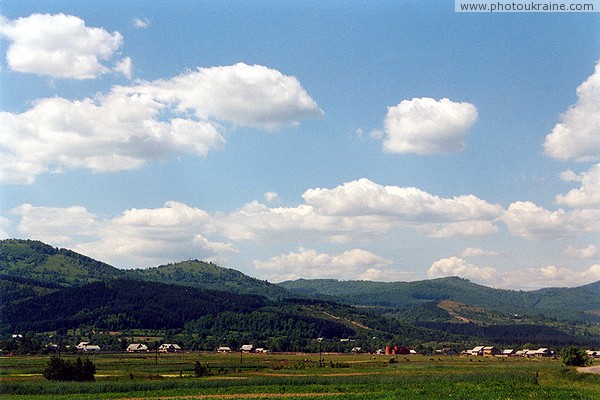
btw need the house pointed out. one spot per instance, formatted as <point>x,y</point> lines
<point>491,351</point>
<point>137,348</point>
<point>509,352</point>
<point>543,352</point>
<point>392,350</point>
<point>247,348</point>
<point>224,350</point>
<point>261,350</point>
<point>92,348</point>
<point>356,350</point>
<point>87,347</point>
<point>476,351</point>
<point>169,348</point>
<point>593,354</point>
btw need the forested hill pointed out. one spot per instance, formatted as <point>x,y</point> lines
<point>29,268</point>
<point>581,303</point>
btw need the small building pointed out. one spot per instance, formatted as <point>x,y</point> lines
<point>261,350</point>
<point>593,353</point>
<point>224,350</point>
<point>543,352</point>
<point>393,350</point>
<point>92,348</point>
<point>137,348</point>
<point>356,350</point>
<point>476,351</point>
<point>491,351</point>
<point>247,348</point>
<point>509,352</point>
<point>169,348</point>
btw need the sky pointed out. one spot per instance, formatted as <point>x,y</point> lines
<point>356,140</point>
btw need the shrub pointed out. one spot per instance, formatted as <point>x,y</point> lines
<point>576,357</point>
<point>201,370</point>
<point>65,370</point>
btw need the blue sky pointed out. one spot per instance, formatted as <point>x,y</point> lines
<point>352,140</point>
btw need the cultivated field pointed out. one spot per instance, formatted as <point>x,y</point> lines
<point>279,376</point>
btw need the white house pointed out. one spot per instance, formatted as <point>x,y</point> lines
<point>88,347</point>
<point>169,348</point>
<point>247,348</point>
<point>224,350</point>
<point>137,348</point>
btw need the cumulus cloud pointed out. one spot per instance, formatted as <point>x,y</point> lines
<point>125,67</point>
<point>427,126</point>
<point>111,133</point>
<point>247,95</point>
<point>129,126</point>
<point>308,263</point>
<point>526,219</point>
<point>364,197</point>
<point>59,226</point>
<point>577,136</point>
<point>141,23</point>
<point>271,196</point>
<point>584,253</point>
<point>359,209</point>
<point>60,46</point>
<point>456,266</point>
<point>588,195</point>
<point>136,238</point>
<point>529,278</point>
<point>477,252</point>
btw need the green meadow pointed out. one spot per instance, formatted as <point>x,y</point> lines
<point>279,376</point>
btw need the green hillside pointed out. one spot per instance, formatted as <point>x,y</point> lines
<point>29,268</point>
<point>204,275</point>
<point>576,304</point>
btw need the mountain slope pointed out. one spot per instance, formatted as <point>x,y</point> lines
<point>209,276</point>
<point>581,303</point>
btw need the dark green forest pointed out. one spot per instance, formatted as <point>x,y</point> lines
<point>202,306</point>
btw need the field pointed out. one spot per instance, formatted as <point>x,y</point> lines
<point>280,376</point>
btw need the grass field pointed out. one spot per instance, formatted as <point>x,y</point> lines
<point>282,376</point>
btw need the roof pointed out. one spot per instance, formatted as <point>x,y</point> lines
<point>246,347</point>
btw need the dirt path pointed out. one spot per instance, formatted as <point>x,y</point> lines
<point>595,369</point>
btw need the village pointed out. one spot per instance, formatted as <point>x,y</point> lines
<point>477,351</point>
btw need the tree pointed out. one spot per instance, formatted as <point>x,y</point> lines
<point>201,370</point>
<point>59,369</point>
<point>575,356</point>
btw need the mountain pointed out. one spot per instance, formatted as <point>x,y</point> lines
<point>124,302</point>
<point>577,304</point>
<point>29,268</point>
<point>204,275</point>
<point>44,289</point>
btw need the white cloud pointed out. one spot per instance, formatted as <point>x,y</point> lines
<point>141,23</point>
<point>138,237</point>
<point>528,279</point>
<point>125,67</point>
<point>271,196</point>
<point>584,253</point>
<point>60,46</point>
<point>529,220</point>
<point>364,197</point>
<point>129,126</point>
<point>247,95</point>
<point>59,226</point>
<point>577,136</point>
<point>588,194</point>
<point>427,126</point>
<point>477,252</point>
<point>308,263</point>
<point>111,133</point>
<point>455,266</point>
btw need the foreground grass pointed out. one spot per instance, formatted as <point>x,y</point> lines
<point>122,376</point>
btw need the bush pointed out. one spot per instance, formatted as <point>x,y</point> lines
<point>201,370</point>
<point>65,370</point>
<point>575,357</point>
